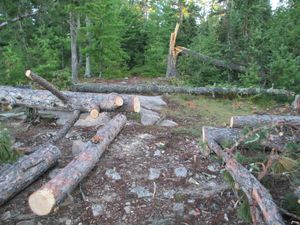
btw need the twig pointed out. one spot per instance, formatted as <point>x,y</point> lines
<point>154,189</point>
<point>289,214</point>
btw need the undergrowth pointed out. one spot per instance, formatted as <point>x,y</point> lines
<point>6,153</point>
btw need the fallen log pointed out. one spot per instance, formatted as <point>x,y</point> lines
<point>85,102</point>
<point>159,89</point>
<point>26,170</point>
<point>261,120</point>
<point>210,60</point>
<point>52,193</point>
<point>256,193</point>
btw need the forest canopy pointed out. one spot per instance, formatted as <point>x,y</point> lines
<point>119,38</point>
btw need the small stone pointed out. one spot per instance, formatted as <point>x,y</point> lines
<point>191,201</point>
<point>178,208</point>
<point>113,174</point>
<point>213,167</point>
<point>141,192</point>
<point>168,123</point>
<point>77,147</point>
<point>180,172</point>
<point>26,222</point>
<point>127,209</point>
<point>169,194</point>
<point>157,153</point>
<point>68,222</point>
<point>193,181</point>
<point>97,210</point>
<point>154,174</point>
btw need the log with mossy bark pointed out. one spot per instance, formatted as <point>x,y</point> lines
<point>262,120</point>
<point>85,102</point>
<point>260,200</point>
<point>162,89</point>
<point>53,192</point>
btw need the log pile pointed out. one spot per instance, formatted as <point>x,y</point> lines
<point>263,208</point>
<point>29,168</point>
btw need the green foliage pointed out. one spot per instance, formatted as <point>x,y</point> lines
<point>244,211</point>
<point>228,178</point>
<point>290,203</point>
<point>6,153</point>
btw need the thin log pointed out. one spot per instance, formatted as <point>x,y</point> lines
<point>53,193</point>
<point>26,170</point>
<point>65,129</point>
<point>262,120</point>
<point>254,190</point>
<point>42,99</point>
<point>160,89</point>
<point>210,60</point>
<point>47,85</point>
<point>18,18</point>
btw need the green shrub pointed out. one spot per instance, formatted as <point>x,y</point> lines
<point>6,153</point>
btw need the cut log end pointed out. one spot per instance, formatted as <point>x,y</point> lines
<point>119,101</point>
<point>94,113</point>
<point>203,134</point>
<point>136,104</point>
<point>42,202</point>
<point>28,74</point>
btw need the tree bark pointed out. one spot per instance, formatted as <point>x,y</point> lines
<point>74,57</point>
<point>261,120</point>
<point>18,18</point>
<point>215,62</point>
<point>26,170</point>
<point>296,103</point>
<point>256,193</point>
<point>85,102</point>
<point>159,89</point>
<point>172,56</point>
<point>52,193</point>
<point>87,58</point>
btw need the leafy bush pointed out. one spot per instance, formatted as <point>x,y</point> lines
<point>6,153</point>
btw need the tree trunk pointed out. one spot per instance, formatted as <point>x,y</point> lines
<point>215,62</point>
<point>18,18</point>
<point>85,102</point>
<point>74,59</point>
<point>52,193</point>
<point>172,56</point>
<point>254,190</point>
<point>78,46</point>
<point>26,170</point>
<point>296,103</point>
<point>87,58</point>
<point>151,89</point>
<point>261,120</point>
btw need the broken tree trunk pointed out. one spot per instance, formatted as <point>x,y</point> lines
<point>52,193</point>
<point>215,62</point>
<point>18,18</point>
<point>26,170</point>
<point>261,120</point>
<point>296,103</point>
<point>256,193</point>
<point>172,56</point>
<point>85,102</point>
<point>150,89</point>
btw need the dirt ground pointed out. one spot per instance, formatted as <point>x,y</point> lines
<point>148,175</point>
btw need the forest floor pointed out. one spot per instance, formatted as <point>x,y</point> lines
<point>148,175</point>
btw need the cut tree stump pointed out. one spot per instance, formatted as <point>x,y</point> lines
<point>26,170</point>
<point>160,89</point>
<point>85,102</point>
<point>261,120</point>
<point>256,193</point>
<point>52,193</point>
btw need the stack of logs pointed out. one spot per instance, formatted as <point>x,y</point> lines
<point>29,168</point>
<point>263,208</point>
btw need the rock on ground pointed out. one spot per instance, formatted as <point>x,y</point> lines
<point>113,174</point>
<point>180,171</point>
<point>149,117</point>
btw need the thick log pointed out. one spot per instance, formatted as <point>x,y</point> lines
<point>262,120</point>
<point>52,193</point>
<point>210,60</point>
<point>26,170</point>
<point>42,99</point>
<point>3,24</point>
<point>254,190</point>
<point>159,89</point>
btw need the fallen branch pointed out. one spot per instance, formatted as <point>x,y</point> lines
<point>254,190</point>
<point>3,24</point>
<point>53,193</point>
<point>160,89</point>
